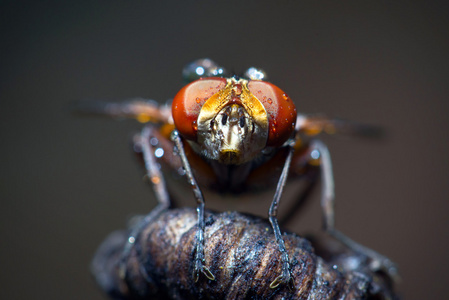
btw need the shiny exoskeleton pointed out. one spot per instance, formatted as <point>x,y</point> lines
<point>241,253</point>
<point>228,134</point>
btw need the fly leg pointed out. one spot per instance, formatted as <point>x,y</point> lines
<point>286,276</point>
<point>154,174</point>
<point>199,256</point>
<point>320,152</point>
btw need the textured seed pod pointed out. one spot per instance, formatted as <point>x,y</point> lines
<point>242,254</point>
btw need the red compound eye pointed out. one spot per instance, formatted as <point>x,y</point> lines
<point>280,109</point>
<point>188,101</point>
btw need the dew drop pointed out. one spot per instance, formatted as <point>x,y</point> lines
<point>315,154</point>
<point>200,71</point>
<point>181,171</point>
<point>159,152</point>
<point>198,100</point>
<point>194,125</point>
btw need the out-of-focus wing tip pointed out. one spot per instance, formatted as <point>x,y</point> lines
<point>86,108</point>
<point>318,124</point>
<point>360,129</point>
<point>141,110</point>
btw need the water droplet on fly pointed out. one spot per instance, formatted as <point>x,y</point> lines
<point>200,71</point>
<point>181,171</point>
<point>159,152</point>
<point>270,101</point>
<point>198,100</point>
<point>315,154</point>
<point>195,125</point>
<point>238,89</point>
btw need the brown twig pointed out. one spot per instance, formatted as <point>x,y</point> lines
<point>242,254</point>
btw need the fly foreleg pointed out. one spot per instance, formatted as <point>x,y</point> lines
<point>286,276</point>
<point>200,264</point>
<point>320,153</point>
<point>154,174</point>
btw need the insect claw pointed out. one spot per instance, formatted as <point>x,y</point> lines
<point>285,278</point>
<point>291,284</point>
<point>205,270</point>
<point>122,270</point>
<point>208,273</point>
<point>275,283</point>
<point>196,275</point>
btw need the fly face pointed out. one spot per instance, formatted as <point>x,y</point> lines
<point>232,120</point>
<point>232,136</point>
<point>232,124</point>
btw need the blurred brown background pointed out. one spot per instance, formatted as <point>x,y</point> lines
<point>66,182</point>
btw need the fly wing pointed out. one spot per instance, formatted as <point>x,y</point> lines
<point>141,110</point>
<point>316,124</point>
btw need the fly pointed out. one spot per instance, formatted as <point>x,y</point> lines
<point>227,134</point>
